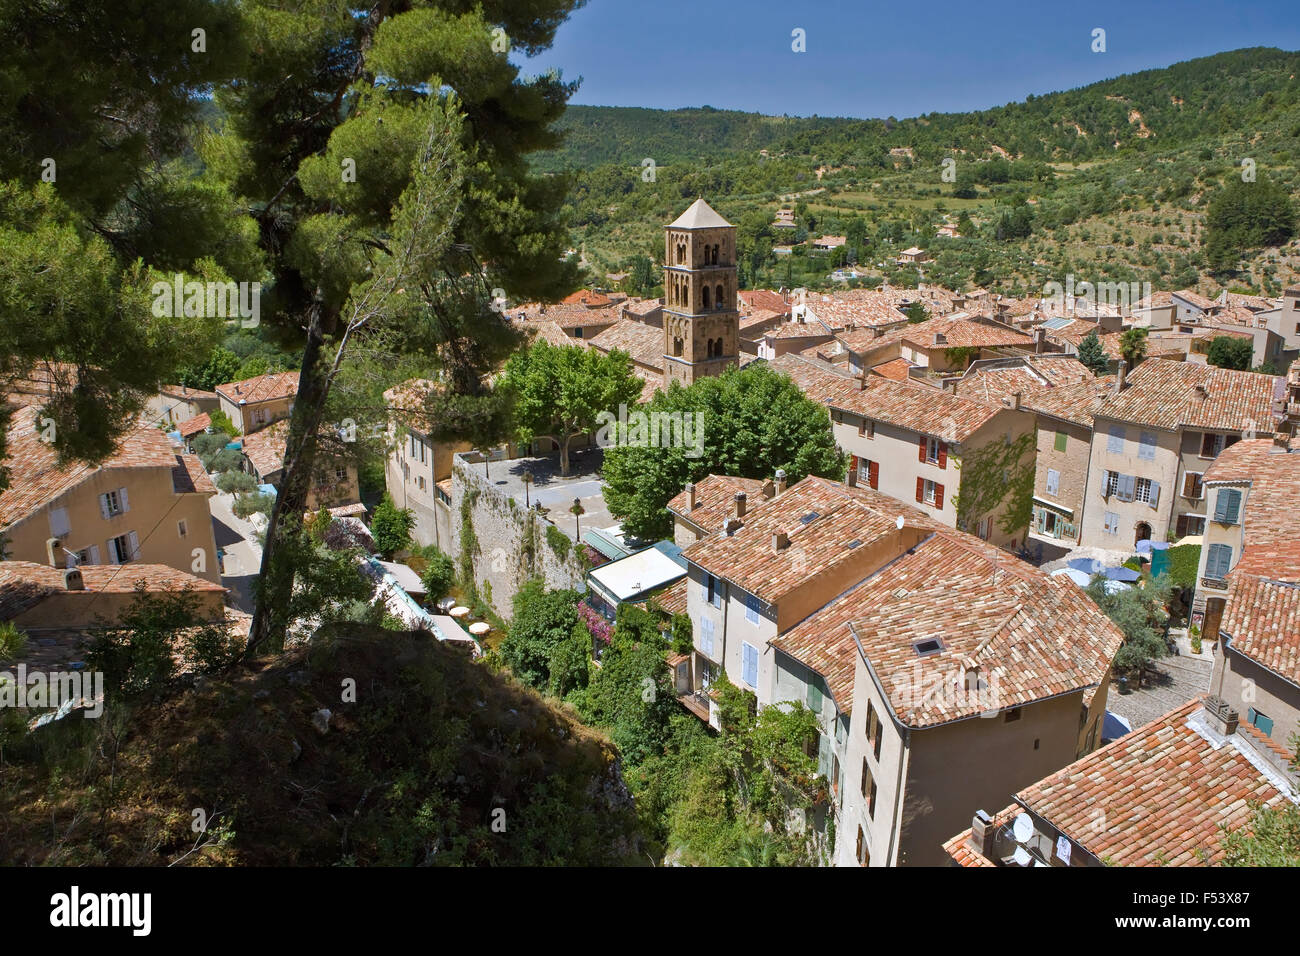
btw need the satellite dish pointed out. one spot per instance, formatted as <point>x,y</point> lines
<point>899,522</point>
<point>1021,857</point>
<point>1023,828</point>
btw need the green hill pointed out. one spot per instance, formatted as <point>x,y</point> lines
<point>1116,177</point>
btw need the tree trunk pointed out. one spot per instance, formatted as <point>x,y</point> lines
<point>275,578</point>
<point>564,454</point>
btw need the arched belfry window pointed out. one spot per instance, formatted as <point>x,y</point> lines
<point>715,255</point>
<point>719,298</point>
<point>705,294</point>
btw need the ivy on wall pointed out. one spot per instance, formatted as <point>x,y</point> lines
<point>468,542</point>
<point>995,473</point>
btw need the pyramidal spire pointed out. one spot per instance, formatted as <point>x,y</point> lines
<point>699,215</point>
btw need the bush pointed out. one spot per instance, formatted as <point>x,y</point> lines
<point>228,459</point>
<point>221,423</point>
<point>208,444</point>
<point>249,504</point>
<point>438,576</point>
<point>391,527</point>
<point>1183,563</point>
<point>559,541</point>
<point>236,482</point>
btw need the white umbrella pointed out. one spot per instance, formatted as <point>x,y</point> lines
<point>479,628</point>
<point>460,612</point>
<point>1078,577</point>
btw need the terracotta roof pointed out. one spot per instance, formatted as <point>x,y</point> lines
<point>37,477</point>
<point>192,426</point>
<point>263,388</point>
<point>715,499</point>
<point>644,343</point>
<point>188,477</point>
<point>856,307</point>
<point>820,518</point>
<point>763,300</point>
<point>265,448</point>
<point>568,316</point>
<point>24,584</point>
<point>550,332</point>
<point>587,297</point>
<point>896,370</point>
<point>1160,795</point>
<point>917,408</point>
<point>187,393</point>
<point>673,598</point>
<point>797,330</point>
<point>1195,298</point>
<point>1031,636</point>
<point>959,847</point>
<point>752,325</point>
<point>1164,394</point>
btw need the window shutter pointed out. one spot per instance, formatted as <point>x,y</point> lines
<point>943,454</point>
<point>113,556</point>
<point>938,496</point>
<point>873,474</point>
<point>103,507</point>
<point>1155,494</point>
<point>59,527</point>
<point>1218,561</point>
<point>1232,506</point>
<point>853,464</point>
<point>93,554</point>
<point>920,489</point>
<point>920,454</point>
<point>133,546</point>
<point>122,498</point>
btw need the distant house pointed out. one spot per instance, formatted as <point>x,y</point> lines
<point>334,484</point>
<point>912,256</point>
<point>828,243</point>
<point>176,403</point>
<point>257,402</point>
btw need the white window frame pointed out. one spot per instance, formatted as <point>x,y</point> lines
<point>932,446</point>
<point>928,492</point>
<point>1053,483</point>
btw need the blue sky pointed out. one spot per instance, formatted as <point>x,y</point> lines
<point>873,59</point>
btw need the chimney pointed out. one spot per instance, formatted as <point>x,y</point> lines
<point>853,476</point>
<point>982,834</point>
<point>780,481</point>
<point>740,504</point>
<point>780,541</point>
<point>1222,717</point>
<point>72,580</point>
<point>1015,401</point>
<point>769,489</point>
<point>690,496</point>
<point>54,552</point>
<point>1119,376</point>
<point>1202,391</point>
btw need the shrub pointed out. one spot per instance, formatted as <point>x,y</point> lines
<point>249,504</point>
<point>559,541</point>
<point>235,482</point>
<point>439,575</point>
<point>391,527</point>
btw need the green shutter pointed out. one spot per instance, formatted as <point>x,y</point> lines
<point>1061,440</point>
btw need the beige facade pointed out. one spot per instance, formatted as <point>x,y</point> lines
<point>254,403</point>
<point>888,458</point>
<point>1060,477</point>
<point>150,513</point>
<point>906,791</point>
<point>700,320</point>
<point>415,469</point>
<point>176,403</point>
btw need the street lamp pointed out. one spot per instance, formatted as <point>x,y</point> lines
<point>527,479</point>
<point>578,512</point>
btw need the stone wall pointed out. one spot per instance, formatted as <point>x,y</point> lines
<point>508,544</point>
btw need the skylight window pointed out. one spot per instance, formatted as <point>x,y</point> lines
<point>927,647</point>
<point>809,518</point>
<point>854,543</point>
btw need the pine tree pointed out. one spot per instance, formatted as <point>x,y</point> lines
<point>1092,355</point>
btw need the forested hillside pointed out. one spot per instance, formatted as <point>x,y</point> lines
<point>1111,178</point>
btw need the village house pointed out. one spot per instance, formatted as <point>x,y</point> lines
<point>704,506</point>
<point>1153,439</point>
<point>936,349</point>
<point>929,448</point>
<point>1063,395</point>
<point>417,472</point>
<point>147,502</point>
<point>257,402</point>
<point>910,641</point>
<point>334,483</point>
<point>912,256</point>
<point>175,404</point>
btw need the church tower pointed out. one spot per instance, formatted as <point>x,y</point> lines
<point>701,324</point>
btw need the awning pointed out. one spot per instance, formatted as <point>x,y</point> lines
<point>1068,512</point>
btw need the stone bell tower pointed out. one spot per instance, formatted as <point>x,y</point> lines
<point>701,324</point>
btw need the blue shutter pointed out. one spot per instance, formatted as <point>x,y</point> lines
<point>1155,494</point>
<point>1219,561</point>
<point>749,668</point>
<point>1230,498</point>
